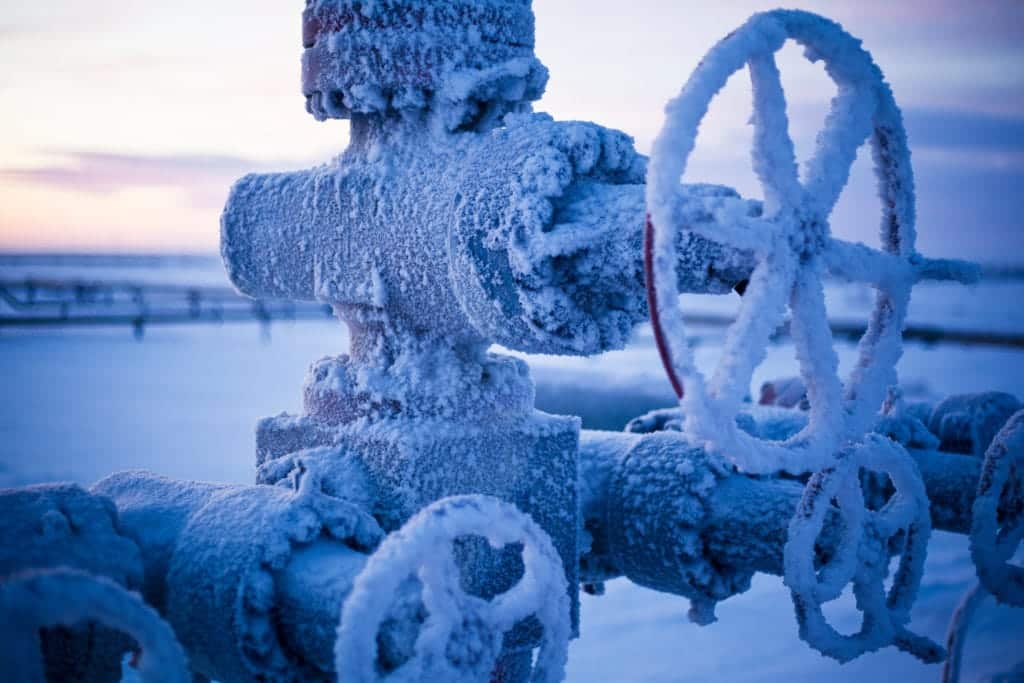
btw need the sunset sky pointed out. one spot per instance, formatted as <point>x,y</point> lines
<point>123,124</point>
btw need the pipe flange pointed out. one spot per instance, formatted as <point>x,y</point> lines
<point>466,59</point>
<point>658,507</point>
<point>525,269</point>
<point>222,589</point>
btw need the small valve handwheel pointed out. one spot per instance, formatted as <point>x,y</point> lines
<point>837,483</point>
<point>862,554</point>
<point>791,243</point>
<point>460,638</point>
<point>64,597</point>
<point>996,531</point>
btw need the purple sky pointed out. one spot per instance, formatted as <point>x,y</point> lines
<point>122,124</point>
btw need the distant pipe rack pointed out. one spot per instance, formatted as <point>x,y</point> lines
<point>41,303</point>
<point>55,303</point>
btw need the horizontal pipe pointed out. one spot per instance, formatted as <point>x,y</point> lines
<point>745,528</point>
<point>750,517</point>
<point>747,518</point>
<point>312,589</point>
<point>739,522</point>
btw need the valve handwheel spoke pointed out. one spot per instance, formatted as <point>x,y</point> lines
<point>441,595</point>
<point>775,163</point>
<point>734,226</point>
<point>792,244</point>
<point>761,312</point>
<point>819,364</point>
<point>855,262</point>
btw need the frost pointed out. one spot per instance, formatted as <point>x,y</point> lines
<point>760,421</point>
<point>968,423</point>
<point>469,62</point>
<point>862,555</point>
<point>792,244</point>
<point>994,536</point>
<point>460,638</point>
<point>213,555</point>
<point>63,525</point>
<point>646,502</point>
<point>458,218</point>
<point>900,423</point>
<point>66,597</point>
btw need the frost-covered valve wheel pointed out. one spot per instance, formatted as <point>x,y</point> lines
<point>994,540</point>
<point>862,554</point>
<point>791,242</point>
<point>65,597</point>
<point>461,637</point>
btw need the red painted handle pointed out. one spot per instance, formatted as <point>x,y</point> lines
<point>652,306</point>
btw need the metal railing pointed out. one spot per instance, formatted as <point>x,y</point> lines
<point>38,303</point>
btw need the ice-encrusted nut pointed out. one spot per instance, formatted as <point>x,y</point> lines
<point>339,472</point>
<point>656,511</point>
<point>469,60</point>
<point>994,536</point>
<point>967,423</point>
<point>222,577</point>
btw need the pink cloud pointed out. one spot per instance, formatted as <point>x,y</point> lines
<point>206,178</point>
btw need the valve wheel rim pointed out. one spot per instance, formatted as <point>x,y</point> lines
<point>794,248</point>
<point>885,614</point>
<point>397,558</point>
<point>64,597</point>
<point>993,542</point>
<point>810,589</point>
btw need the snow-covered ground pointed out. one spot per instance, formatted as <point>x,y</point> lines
<point>79,404</point>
